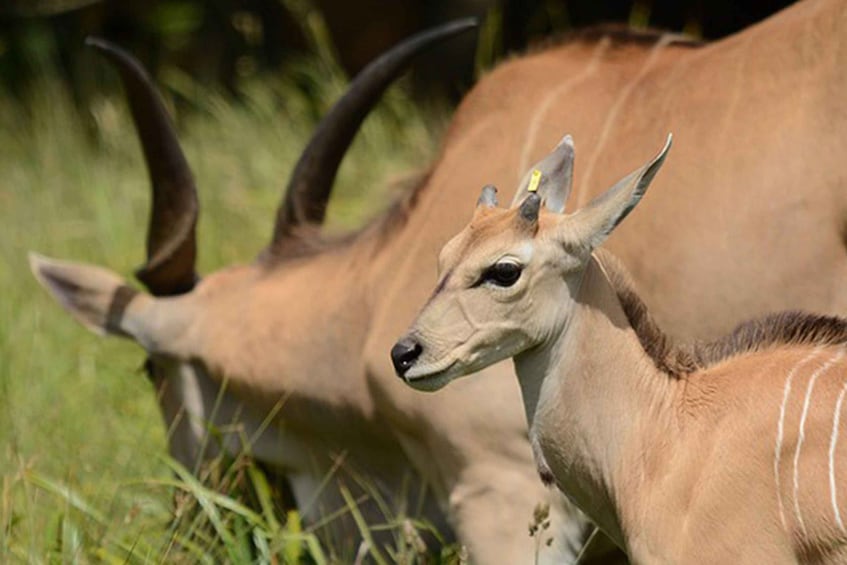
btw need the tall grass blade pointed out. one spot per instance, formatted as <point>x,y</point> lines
<point>264,494</point>
<point>75,501</point>
<point>489,46</point>
<point>68,495</point>
<point>205,499</point>
<point>362,525</point>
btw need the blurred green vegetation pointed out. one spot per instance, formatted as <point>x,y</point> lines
<point>82,473</point>
<point>221,43</point>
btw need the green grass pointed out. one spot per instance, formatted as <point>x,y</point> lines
<point>83,477</point>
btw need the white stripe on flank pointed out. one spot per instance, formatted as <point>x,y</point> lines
<point>541,112</point>
<point>832,443</point>
<point>614,110</point>
<point>780,432</point>
<point>802,436</point>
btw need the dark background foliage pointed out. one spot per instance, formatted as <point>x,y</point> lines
<point>220,42</point>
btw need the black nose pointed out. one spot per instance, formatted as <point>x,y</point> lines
<point>404,354</point>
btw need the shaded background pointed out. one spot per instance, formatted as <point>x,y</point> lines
<point>222,42</point>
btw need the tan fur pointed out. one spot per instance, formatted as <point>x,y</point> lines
<point>681,454</point>
<point>678,360</point>
<point>749,215</point>
<point>682,466</point>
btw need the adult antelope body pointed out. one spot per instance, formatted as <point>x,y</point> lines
<point>214,344</point>
<point>726,452</point>
<point>755,176</point>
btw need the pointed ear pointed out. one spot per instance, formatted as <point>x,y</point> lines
<point>551,178</point>
<point>101,301</point>
<point>598,218</point>
<point>95,297</point>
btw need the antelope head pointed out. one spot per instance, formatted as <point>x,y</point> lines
<point>102,302</point>
<point>509,280</point>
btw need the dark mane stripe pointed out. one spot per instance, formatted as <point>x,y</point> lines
<point>781,328</point>
<point>677,360</point>
<point>619,34</point>
<point>668,356</point>
<point>622,34</point>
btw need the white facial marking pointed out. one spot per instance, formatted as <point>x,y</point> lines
<point>833,441</point>
<point>802,436</point>
<point>780,432</point>
<point>419,371</point>
<point>525,252</point>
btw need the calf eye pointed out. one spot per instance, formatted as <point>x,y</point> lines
<point>504,273</point>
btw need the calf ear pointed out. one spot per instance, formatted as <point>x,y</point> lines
<point>96,297</point>
<point>591,225</point>
<point>550,178</point>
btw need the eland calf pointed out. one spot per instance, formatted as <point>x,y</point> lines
<point>729,451</point>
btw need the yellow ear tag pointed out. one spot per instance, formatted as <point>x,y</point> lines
<point>534,181</point>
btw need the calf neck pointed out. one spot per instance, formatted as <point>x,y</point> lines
<point>710,465</point>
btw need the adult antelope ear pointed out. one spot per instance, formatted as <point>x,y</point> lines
<point>592,224</point>
<point>102,301</point>
<point>96,297</point>
<point>550,178</point>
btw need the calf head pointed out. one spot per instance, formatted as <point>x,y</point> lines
<point>509,280</point>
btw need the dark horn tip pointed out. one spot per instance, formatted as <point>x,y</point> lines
<point>99,43</point>
<point>109,49</point>
<point>454,27</point>
<point>462,23</point>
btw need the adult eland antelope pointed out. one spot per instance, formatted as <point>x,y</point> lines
<point>306,409</point>
<point>756,176</point>
<point>724,452</point>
